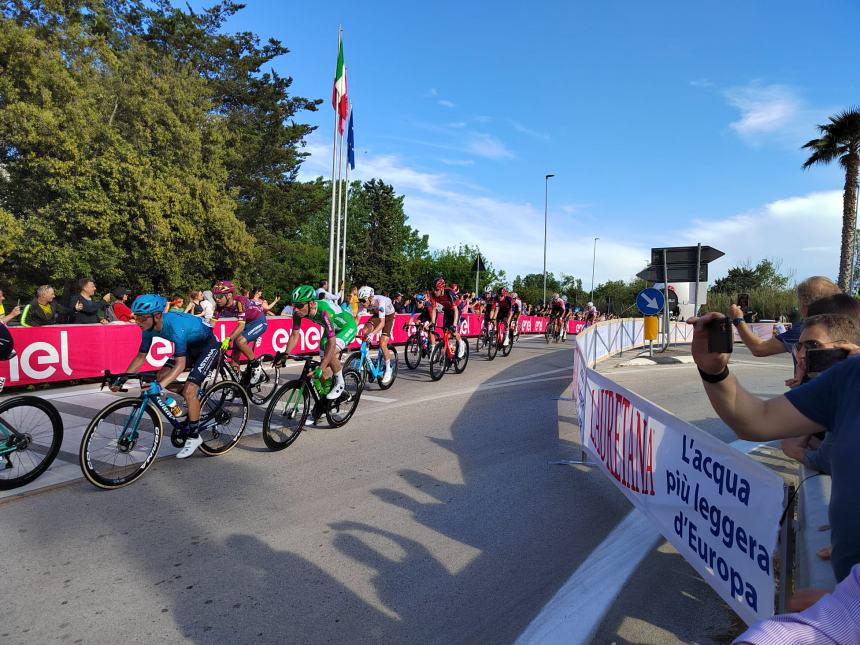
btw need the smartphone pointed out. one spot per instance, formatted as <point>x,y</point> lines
<point>818,360</point>
<point>744,301</point>
<point>720,338</point>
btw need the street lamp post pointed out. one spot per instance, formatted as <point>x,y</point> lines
<point>545,195</point>
<point>593,260</point>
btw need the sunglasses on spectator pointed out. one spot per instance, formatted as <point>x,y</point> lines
<point>811,344</point>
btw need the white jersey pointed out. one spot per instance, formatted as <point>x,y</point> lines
<point>381,306</point>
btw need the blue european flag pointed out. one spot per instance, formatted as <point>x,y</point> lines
<point>350,144</point>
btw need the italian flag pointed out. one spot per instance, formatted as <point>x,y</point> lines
<point>339,100</point>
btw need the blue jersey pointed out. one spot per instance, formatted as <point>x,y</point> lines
<point>180,329</point>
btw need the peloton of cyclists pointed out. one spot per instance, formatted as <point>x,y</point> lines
<point>193,344</point>
<point>381,311</point>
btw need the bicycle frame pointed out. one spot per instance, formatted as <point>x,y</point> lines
<point>376,367</point>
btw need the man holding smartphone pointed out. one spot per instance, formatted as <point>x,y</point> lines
<point>808,291</point>
<point>828,403</point>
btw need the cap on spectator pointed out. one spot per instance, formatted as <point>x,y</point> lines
<point>119,292</point>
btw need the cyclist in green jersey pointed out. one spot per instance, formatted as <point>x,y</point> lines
<point>339,330</point>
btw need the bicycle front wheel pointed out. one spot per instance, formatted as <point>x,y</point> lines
<point>120,443</point>
<point>460,361</point>
<point>506,335</point>
<point>31,432</point>
<point>341,411</point>
<point>437,361</point>
<point>548,333</point>
<point>223,417</point>
<point>393,356</point>
<point>492,344</point>
<point>412,351</point>
<point>261,391</point>
<point>286,415</point>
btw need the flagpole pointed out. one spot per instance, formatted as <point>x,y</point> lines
<point>331,250</point>
<point>334,285</point>
<point>345,211</point>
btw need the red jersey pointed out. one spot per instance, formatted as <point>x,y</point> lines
<point>449,300</point>
<point>241,309</point>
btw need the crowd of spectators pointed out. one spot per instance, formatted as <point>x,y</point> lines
<point>818,421</point>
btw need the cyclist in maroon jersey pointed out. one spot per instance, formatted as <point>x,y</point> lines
<point>250,325</point>
<point>444,298</point>
<point>504,311</point>
<point>556,311</point>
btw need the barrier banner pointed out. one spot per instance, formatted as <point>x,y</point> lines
<point>66,352</point>
<point>719,508</point>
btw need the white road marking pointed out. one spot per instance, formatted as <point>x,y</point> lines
<point>380,399</point>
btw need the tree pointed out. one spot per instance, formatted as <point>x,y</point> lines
<point>840,140</point>
<point>530,287</point>
<point>744,278</point>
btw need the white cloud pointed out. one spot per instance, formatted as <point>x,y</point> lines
<point>519,127</point>
<point>432,92</point>
<point>446,103</point>
<point>485,145</point>
<point>777,230</point>
<point>701,82</point>
<point>458,162</point>
<point>764,108</point>
<point>457,124</point>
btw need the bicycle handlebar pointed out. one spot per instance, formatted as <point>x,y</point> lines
<point>143,377</point>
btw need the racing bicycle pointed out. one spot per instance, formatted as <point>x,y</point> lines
<point>417,345</point>
<point>445,355</point>
<point>370,368</point>
<point>290,406</point>
<point>122,440</point>
<point>31,432</point>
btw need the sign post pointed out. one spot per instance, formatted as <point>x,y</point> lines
<point>650,302</point>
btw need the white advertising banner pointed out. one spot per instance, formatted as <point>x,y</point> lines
<point>719,508</point>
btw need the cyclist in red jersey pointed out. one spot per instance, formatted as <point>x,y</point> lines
<point>441,296</point>
<point>504,310</point>
<point>556,311</point>
<point>250,325</point>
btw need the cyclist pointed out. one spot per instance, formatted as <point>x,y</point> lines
<point>505,311</point>
<point>339,330</point>
<point>489,308</point>
<point>444,299</point>
<point>381,310</point>
<point>556,312</point>
<point>565,317</point>
<point>251,324</point>
<point>590,314</point>
<point>516,310</point>
<point>193,344</point>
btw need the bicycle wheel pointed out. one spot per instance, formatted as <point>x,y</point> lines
<point>548,333</point>
<point>437,361</point>
<point>120,443</point>
<point>384,386</point>
<point>223,417</point>
<point>261,391</point>
<point>286,415</point>
<point>506,349</point>
<point>35,442</point>
<point>341,411</point>
<point>481,340</point>
<point>492,343</point>
<point>461,361</point>
<point>412,351</point>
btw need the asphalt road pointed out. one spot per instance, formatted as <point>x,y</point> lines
<point>439,514</point>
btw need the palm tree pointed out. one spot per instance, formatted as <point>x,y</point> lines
<point>840,139</point>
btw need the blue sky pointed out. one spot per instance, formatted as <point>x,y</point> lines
<point>665,123</point>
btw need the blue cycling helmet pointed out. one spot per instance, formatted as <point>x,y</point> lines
<point>419,296</point>
<point>148,303</point>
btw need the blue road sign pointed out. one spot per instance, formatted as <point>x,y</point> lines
<point>650,301</point>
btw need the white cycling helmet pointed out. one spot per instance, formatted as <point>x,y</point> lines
<point>365,293</point>
<point>488,289</point>
<point>589,304</point>
<point>564,298</point>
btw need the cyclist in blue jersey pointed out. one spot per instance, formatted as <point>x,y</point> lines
<point>193,344</point>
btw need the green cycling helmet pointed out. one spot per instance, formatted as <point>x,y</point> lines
<point>303,293</point>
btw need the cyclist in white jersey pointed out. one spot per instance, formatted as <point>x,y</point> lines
<point>381,310</point>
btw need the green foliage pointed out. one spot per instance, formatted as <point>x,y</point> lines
<point>767,303</point>
<point>745,278</point>
<point>618,297</point>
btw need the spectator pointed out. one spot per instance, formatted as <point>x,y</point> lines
<point>397,302</point>
<point>323,293</point>
<point>819,617</point>
<point>258,299</point>
<point>827,403</point>
<point>201,306</point>
<point>42,310</point>
<point>808,291</point>
<point>353,300</point>
<point>176,305</point>
<point>87,311</point>
<point>6,317</point>
<point>118,310</point>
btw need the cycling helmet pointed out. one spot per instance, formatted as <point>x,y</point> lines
<point>564,298</point>
<point>488,290</point>
<point>419,297</point>
<point>223,287</point>
<point>148,303</point>
<point>589,304</point>
<point>503,292</point>
<point>555,296</point>
<point>365,293</point>
<point>514,294</point>
<point>439,283</point>
<point>303,293</point>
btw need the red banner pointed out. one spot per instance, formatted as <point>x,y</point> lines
<point>66,352</point>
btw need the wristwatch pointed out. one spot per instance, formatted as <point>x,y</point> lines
<point>737,321</point>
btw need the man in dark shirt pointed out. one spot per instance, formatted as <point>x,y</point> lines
<point>88,311</point>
